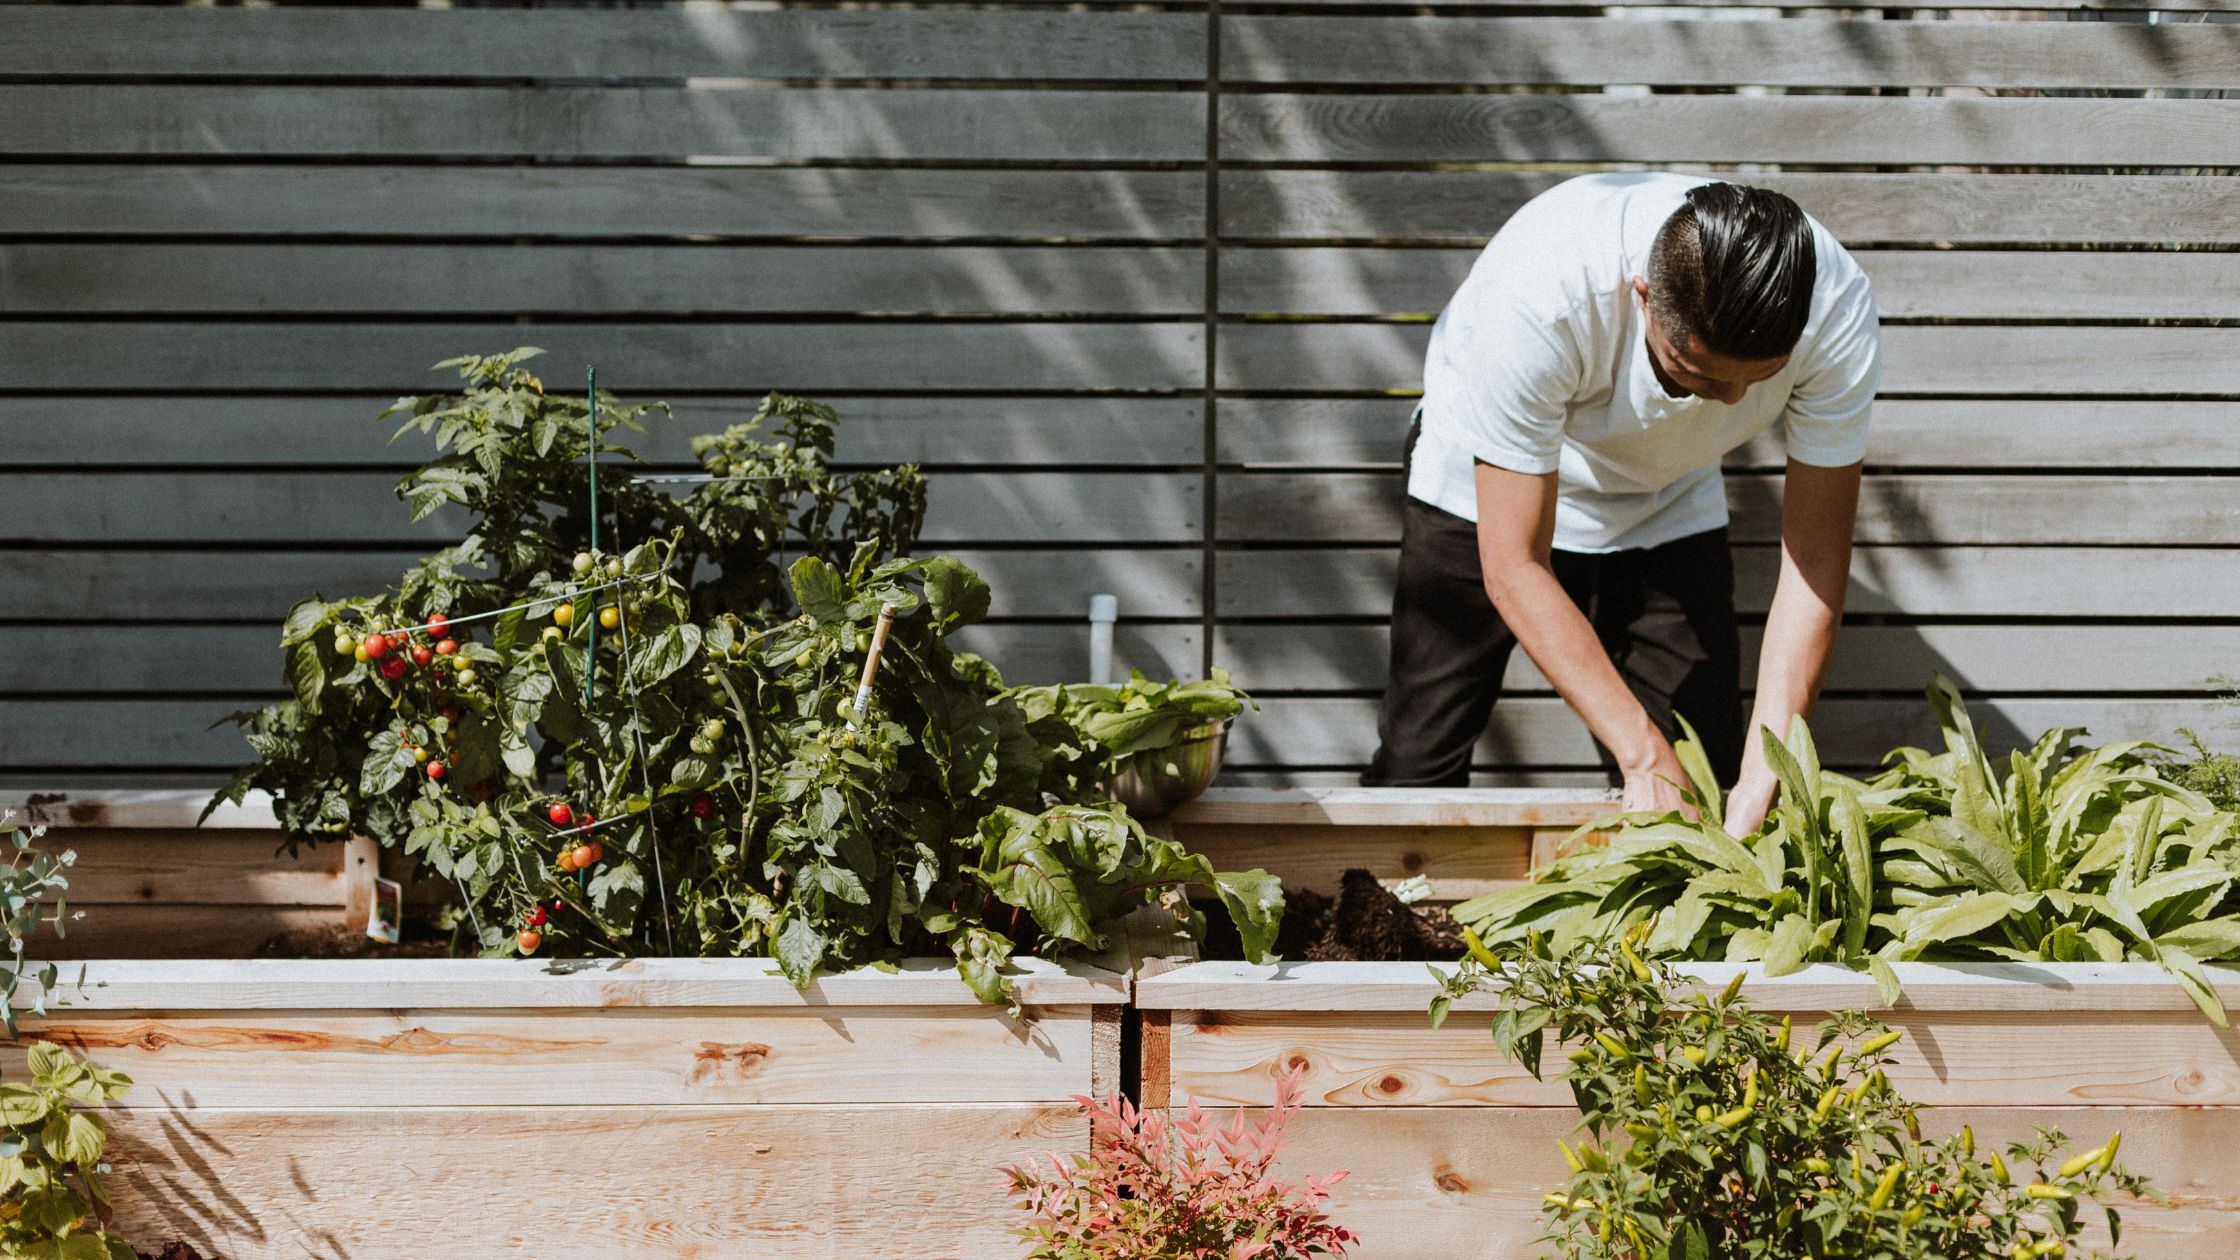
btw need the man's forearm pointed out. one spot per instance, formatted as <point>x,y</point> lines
<point>1560,640</point>
<point>1800,636</point>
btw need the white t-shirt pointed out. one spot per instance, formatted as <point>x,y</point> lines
<point>1539,364</point>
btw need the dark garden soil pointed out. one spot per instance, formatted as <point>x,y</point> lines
<point>420,941</point>
<point>175,1251</point>
<point>1363,923</point>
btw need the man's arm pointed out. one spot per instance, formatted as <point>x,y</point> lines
<point>1516,533</point>
<point>1819,507</point>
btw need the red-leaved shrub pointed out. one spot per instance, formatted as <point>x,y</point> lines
<point>1189,1190</point>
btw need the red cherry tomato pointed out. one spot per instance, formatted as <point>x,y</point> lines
<point>437,625</point>
<point>445,647</point>
<point>435,770</point>
<point>536,916</point>
<point>377,646</point>
<point>422,654</point>
<point>529,940</point>
<point>589,855</point>
<point>394,668</point>
<point>703,805</point>
<point>560,814</point>
<point>451,714</point>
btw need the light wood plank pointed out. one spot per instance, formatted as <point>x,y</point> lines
<point>1805,52</point>
<point>1817,129</point>
<point>455,984</point>
<point>159,931</point>
<point>361,507</point>
<point>1391,807</point>
<point>1875,658</point>
<point>1466,206</point>
<point>1460,862</point>
<point>2016,989</point>
<point>642,1058</point>
<point>1363,1059</point>
<point>1960,361</point>
<point>1948,581</point>
<point>614,202</point>
<point>698,1183</point>
<point>77,809</point>
<point>1532,732</point>
<point>1429,1183</point>
<point>593,44</point>
<point>214,584</point>
<point>2035,510</point>
<point>962,124</point>
<point>176,432</point>
<point>151,866</point>
<point>1908,284</point>
<point>1905,433</point>
<point>447,281</point>
<point>805,358</point>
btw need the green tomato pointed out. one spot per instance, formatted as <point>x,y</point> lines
<point>466,676</point>
<point>801,660</point>
<point>614,568</point>
<point>583,562</point>
<point>344,645</point>
<point>712,730</point>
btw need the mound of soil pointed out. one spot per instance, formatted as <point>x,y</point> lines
<point>420,941</point>
<point>1363,923</point>
<point>175,1251</point>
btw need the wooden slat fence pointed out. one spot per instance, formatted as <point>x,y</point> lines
<point>1146,289</point>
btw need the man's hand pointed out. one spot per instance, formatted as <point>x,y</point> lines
<point>1752,798</point>
<point>1655,787</point>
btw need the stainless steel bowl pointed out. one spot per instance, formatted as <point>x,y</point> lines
<point>1158,780</point>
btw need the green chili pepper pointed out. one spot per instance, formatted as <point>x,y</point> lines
<point>2078,1163</point>
<point>1641,1083</point>
<point>1886,1187</point>
<point>1781,1039</point>
<point>1827,1103</point>
<point>1876,1045</point>
<point>1999,1169</point>
<point>2108,1152</point>
<point>1616,1047</point>
<point>1477,949</point>
<point>2040,1190</point>
<point>1734,986</point>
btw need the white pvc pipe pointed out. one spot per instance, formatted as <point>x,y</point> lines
<point>1103,611</point>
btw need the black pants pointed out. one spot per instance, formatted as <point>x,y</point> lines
<point>1665,615</point>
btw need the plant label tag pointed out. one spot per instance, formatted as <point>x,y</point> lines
<point>384,922</point>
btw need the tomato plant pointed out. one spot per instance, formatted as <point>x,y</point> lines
<point>700,752</point>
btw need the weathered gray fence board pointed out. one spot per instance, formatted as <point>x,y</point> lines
<point>361,508</point>
<point>1809,129</point>
<point>963,124</point>
<point>608,280</point>
<point>2126,582</point>
<point>1644,7</point>
<point>1530,731</point>
<point>1952,510</point>
<point>645,360</point>
<point>1269,433</point>
<point>246,659</point>
<point>260,202</point>
<point>1970,209</point>
<point>1270,658</point>
<point>1908,284</point>
<point>1965,360</point>
<point>73,431</point>
<point>587,44</point>
<point>1787,52</point>
<point>219,585</point>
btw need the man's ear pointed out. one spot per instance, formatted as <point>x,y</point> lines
<point>1641,291</point>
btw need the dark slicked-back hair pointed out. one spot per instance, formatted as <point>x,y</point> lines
<point>1733,268</point>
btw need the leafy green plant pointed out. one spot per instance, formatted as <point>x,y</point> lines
<point>2215,775</point>
<point>32,873</point>
<point>1151,1189</point>
<point>2063,855</point>
<point>52,1206</point>
<point>1113,727</point>
<point>660,751</point>
<point>1713,1130</point>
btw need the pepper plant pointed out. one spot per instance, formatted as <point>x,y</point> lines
<point>1711,1129</point>
<point>660,751</point>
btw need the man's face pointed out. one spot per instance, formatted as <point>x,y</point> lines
<point>1691,369</point>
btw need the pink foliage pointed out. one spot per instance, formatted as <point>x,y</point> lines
<point>1155,1189</point>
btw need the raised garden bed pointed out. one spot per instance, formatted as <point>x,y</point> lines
<point>1450,1146</point>
<point>654,1108</point>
